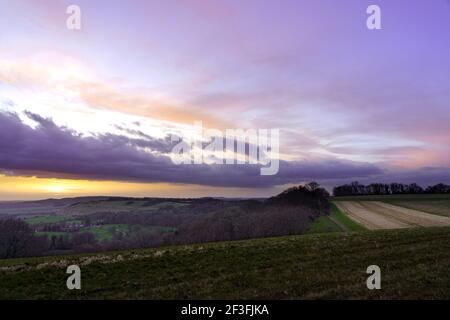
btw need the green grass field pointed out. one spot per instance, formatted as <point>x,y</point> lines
<point>52,233</point>
<point>414,264</point>
<point>135,206</point>
<point>47,219</point>
<point>335,222</point>
<point>105,232</point>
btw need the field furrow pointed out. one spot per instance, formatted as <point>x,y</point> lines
<point>379,215</point>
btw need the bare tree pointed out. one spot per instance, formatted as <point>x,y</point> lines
<point>16,238</point>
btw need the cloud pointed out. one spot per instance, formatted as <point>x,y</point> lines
<point>59,74</point>
<point>58,152</point>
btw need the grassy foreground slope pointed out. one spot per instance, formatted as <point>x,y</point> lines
<point>414,264</point>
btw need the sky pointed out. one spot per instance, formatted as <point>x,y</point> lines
<point>92,111</point>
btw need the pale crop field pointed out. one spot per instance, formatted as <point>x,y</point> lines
<point>380,215</point>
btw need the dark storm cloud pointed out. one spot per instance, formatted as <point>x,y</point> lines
<point>52,151</point>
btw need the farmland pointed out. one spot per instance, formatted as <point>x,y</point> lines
<point>336,221</point>
<point>397,211</point>
<point>114,218</point>
<point>105,232</point>
<point>328,261</point>
<point>414,264</point>
<point>131,205</point>
<point>47,219</point>
<point>430,203</point>
<point>381,215</point>
<point>115,223</point>
<point>66,217</point>
<point>436,206</point>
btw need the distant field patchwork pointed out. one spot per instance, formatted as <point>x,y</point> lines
<point>46,219</point>
<point>120,206</point>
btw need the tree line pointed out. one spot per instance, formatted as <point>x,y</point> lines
<point>357,189</point>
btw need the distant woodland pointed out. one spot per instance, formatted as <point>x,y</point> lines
<point>179,222</point>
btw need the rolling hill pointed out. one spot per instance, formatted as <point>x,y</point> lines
<point>414,264</point>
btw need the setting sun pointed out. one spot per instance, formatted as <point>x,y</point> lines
<point>54,188</point>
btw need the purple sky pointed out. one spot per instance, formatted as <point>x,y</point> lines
<point>350,103</point>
